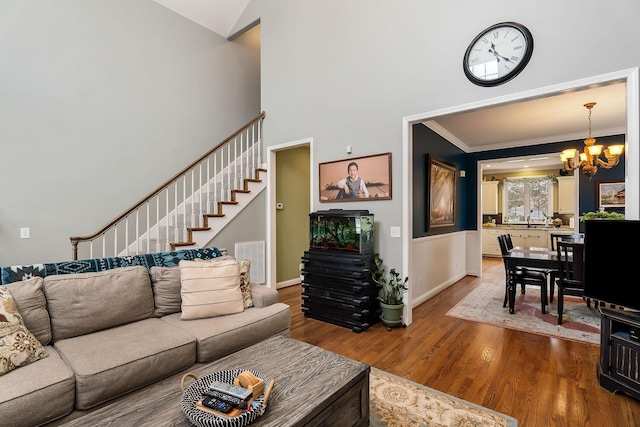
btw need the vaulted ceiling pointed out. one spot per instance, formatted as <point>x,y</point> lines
<point>561,117</point>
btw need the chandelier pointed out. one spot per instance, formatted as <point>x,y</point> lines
<point>590,158</point>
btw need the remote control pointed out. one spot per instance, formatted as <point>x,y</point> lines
<point>237,402</point>
<point>230,389</point>
<point>218,405</point>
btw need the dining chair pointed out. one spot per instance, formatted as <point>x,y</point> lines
<point>555,237</point>
<point>522,276</point>
<point>551,273</point>
<point>570,279</point>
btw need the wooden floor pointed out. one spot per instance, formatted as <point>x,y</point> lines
<point>540,381</point>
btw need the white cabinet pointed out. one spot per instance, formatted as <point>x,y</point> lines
<point>490,246</point>
<point>530,237</point>
<point>566,195</point>
<point>489,197</point>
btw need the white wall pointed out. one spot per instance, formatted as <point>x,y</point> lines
<point>347,72</point>
<point>100,102</point>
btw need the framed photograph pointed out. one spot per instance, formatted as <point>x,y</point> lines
<point>610,194</point>
<point>356,179</point>
<point>441,193</point>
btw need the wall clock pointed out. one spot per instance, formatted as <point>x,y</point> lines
<point>498,54</point>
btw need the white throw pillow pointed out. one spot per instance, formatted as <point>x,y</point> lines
<point>210,289</point>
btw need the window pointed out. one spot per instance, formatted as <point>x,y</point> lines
<point>527,199</point>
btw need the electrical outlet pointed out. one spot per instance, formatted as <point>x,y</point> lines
<point>395,232</point>
<point>24,232</point>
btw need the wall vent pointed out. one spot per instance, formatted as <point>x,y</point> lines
<point>254,253</point>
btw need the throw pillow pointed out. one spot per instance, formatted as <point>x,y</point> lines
<point>245,276</point>
<point>210,289</point>
<point>18,346</point>
<point>245,286</point>
<point>32,306</point>
<point>165,282</point>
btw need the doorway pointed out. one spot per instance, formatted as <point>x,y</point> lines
<point>289,183</point>
<point>632,151</point>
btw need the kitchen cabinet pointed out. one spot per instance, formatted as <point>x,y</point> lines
<point>566,195</point>
<point>490,246</point>
<point>490,197</point>
<point>530,237</point>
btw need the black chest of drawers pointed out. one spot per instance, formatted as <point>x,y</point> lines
<point>337,288</point>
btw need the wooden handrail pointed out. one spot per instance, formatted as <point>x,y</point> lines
<point>76,240</point>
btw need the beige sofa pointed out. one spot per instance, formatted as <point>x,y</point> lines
<point>107,333</point>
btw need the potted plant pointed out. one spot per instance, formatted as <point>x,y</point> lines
<point>601,215</point>
<point>392,288</point>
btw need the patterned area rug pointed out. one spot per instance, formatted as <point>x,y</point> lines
<point>484,305</point>
<point>397,402</point>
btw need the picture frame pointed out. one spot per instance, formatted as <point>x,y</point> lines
<point>374,171</point>
<point>441,193</point>
<point>610,194</point>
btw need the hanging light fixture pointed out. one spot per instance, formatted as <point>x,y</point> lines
<point>590,158</point>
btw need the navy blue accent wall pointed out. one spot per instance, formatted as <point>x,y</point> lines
<point>426,141</point>
<point>587,189</point>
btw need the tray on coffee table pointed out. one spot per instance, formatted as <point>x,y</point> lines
<point>194,392</point>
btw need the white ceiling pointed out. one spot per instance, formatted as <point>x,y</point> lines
<point>560,117</point>
<point>217,15</point>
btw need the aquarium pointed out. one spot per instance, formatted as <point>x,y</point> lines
<point>341,230</point>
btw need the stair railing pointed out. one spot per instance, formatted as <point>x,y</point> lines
<point>165,218</point>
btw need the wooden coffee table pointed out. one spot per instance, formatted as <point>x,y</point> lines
<point>313,387</point>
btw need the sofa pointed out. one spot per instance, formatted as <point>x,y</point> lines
<point>98,329</point>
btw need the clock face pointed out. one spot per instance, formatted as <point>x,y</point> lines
<point>498,54</point>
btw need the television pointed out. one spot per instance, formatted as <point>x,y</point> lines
<point>608,275</point>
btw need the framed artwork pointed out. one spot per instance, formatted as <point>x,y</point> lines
<point>356,179</point>
<point>441,193</point>
<point>610,194</point>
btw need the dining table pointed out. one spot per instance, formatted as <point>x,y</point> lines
<point>527,256</point>
<point>532,256</point>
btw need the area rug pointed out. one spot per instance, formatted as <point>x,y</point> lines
<point>484,305</point>
<point>397,402</point>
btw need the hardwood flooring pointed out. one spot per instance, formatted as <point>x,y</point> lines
<point>538,380</point>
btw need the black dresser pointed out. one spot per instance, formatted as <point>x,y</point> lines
<point>336,274</point>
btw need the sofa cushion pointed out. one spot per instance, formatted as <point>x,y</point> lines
<point>18,346</point>
<point>165,282</point>
<point>82,303</point>
<point>220,336</point>
<point>32,306</point>
<point>210,289</point>
<point>37,393</point>
<point>115,361</point>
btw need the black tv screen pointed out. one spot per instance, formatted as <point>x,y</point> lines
<point>609,262</point>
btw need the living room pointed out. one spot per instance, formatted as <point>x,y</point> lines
<point>102,101</point>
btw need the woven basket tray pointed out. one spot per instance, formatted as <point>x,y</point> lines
<point>193,393</point>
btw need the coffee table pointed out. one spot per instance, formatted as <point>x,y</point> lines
<point>313,387</point>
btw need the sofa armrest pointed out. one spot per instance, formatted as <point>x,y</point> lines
<point>263,296</point>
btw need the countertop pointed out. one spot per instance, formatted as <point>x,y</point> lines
<point>524,227</point>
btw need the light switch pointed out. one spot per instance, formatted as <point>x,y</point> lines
<point>24,232</point>
<point>395,232</point>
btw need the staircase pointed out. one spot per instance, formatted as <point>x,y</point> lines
<point>191,208</point>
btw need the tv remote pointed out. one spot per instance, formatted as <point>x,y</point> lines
<point>230,389</point>
<point>218,405</point>
<point>235,401</point>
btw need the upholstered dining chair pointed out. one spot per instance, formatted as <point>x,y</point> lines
<point>570,279</point>
<point>522,276</point>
